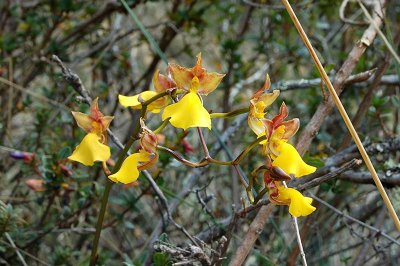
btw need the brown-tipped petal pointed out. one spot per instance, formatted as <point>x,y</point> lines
<point>150,163</point>
<point>94,106</point>
<point>209,82</point>
<point>268,126</point>
<point>162,83</point>
<point>265,87</point>
<point>291,127</point>
<point>256,125</point>
<point>106,121</point>
<point>83,120</point>
<point>267,83</point>
<point>277,174</point>
<point>198,69</point>
<point>181,75</point>
<point>283,113</point>
<point>268,98</point>
<point>95,113</point>
<point>148,141</point>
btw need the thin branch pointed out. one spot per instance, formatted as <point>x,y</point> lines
<point>16,249</point>
<point>344,215</point>
<point>298,237</point>
<point>255,229</point>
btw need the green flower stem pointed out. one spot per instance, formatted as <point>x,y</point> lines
<point>248,149</point>
<point>211,160</point>
<point>178,157</point>
<point>260,195</point>
<point>208,160</point>
<point>109,184</point>
<point>156,97</point>
<point>230,114</point>
<point>162,126</point>
<point>104,201</point>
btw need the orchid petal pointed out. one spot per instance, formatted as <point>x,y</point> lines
<point>133,101</point>
<point>283,113</point>
<point>129,172</point>
<point>83,120</point>
<point>290,161</point>
<point>90,150</point>
<point>291,128</point>
<point>265,87</point>
<point>181,75</point>
<point>268,98</point>
<point>256,125</point>
<point>209,82</point>
<point>162,83</point>
<point>298,204</point>
<point>188,112</point>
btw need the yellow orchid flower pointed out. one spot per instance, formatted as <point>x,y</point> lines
<point>93,146</point>
<point>161,83</point>
<point>95,122</point>
<point>208,81</point>
<point>298,204</point>
<point>189,111</point>
<point>90,150</point>
<point>290,161</point>
<point>258,103</point>
<point>129,171</point>
<point>144,159</point>
<point>291,126</point>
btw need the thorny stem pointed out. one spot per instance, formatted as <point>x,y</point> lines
<point>296,227</point>
<point>230,114</point>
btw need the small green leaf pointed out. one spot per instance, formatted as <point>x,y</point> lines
<point>161,259</point>
<point>64,152</point>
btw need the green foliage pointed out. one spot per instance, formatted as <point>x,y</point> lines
<point>100,42</point>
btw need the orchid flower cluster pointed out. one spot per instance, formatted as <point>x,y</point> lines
<point>178,96</point>
<point>282,159</point>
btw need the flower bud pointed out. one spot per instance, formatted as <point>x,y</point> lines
<point>21,155</point>
<point>35,184</point>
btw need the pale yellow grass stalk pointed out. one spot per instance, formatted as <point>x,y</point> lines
<point>344,115</point>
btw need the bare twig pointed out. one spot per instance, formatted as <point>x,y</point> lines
<point>348,217</point>
<point>313,180</point>
<point>286,85</point>
<point>164,202</point>
<point>255,229</point>
<point>16,249</point>
<point>325,108</point>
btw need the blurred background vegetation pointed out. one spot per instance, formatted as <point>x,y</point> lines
<point>49,206</point>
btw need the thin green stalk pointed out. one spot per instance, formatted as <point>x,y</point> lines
<point>162,126</point>
<point>109,184</point>
<point>156,97</point>
<point>230,114</point>
<point>153,44</point>
<point>248,149</point>
<point>99,224</point>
